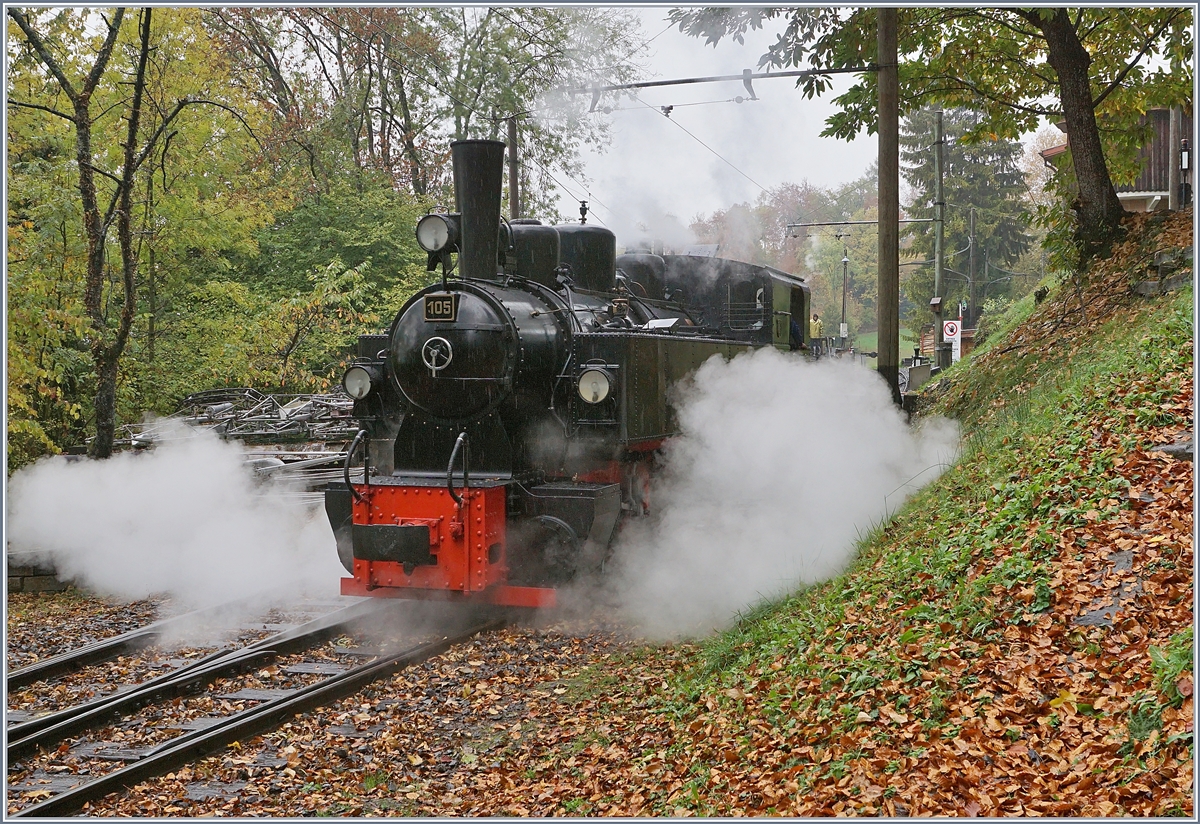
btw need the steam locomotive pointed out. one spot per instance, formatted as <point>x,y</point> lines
<point>510,416</point>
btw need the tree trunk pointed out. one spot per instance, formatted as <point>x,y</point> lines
<point>106,409</point>
<point>1099,209</point>
<point>106,346</point>
<point>107,354</point>
<point>416,171</point>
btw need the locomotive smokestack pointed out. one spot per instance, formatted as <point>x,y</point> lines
<point>478,186</point>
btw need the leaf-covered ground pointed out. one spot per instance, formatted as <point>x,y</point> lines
<point>1017,641</point>
<point>42,625</point>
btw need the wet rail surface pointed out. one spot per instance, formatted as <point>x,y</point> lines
<point>60,761</point>
<point>94,671</point>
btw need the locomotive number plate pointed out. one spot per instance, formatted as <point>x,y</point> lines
<point>441,307</point>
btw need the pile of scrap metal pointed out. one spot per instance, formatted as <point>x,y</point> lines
<point>298,438</point>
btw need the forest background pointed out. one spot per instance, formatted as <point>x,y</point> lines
<point>255,175</point>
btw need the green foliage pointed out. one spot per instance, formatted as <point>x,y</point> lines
<point>372,96</point>
<point>225,334</point>
<point>369,230</point>
<point>371,780</point>
<point>1034,475</point>
<point>1170,664</point>
<point>969,58</point>
<point>273,220</point>
<point>199,195</point>
<point>758,234</point>
<point>49,371</point>
<point>1145,717</point>
<point>993,60</point>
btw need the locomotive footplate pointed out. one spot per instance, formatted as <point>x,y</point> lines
<point>412,539</point>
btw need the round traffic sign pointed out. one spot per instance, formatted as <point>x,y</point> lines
<point>950,329</point>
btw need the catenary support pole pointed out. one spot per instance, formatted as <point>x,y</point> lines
<point>888,363</point>
<point>971,270</point>
<point>1173,129</point>
<point>941,358</point>
<point>845,276</point>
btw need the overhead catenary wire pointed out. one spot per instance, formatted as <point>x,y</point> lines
<point>715,153</point>
<point>673,106</point>
<point>665,111</point>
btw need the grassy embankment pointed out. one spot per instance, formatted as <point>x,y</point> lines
<point>969,662</point>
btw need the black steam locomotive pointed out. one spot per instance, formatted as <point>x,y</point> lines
<point>511,414</point>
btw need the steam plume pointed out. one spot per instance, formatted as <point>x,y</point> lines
<point>186,518</point>
<point>783,465</point>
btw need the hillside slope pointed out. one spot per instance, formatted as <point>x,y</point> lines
<point>1016,641</point>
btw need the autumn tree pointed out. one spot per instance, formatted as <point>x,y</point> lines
<point>758,233</point>
<point>1095,63</point>
<point>382,91</point>
<point>144,195</point>
<point>107,340</point>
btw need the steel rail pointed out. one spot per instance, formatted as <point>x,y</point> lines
<point>246,724</point>
<point>48,729</point>
<point>103,650</point>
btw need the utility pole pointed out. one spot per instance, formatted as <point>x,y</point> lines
<point>888,363</point>
<point>514,195</point>
<point>845,270</point>
<point>971,269</point>
<point>1173,161</point>
<point>941,358</point>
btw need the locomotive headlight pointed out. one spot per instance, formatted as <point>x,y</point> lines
<point>436,232</point>
<point>358,381</point>
<point>594,385</point>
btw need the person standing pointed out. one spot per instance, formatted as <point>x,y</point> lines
<point>816,331</point>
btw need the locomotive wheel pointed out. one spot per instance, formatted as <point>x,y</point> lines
<point>546,553</point>
<point>345,549</point>
<point>558,549</point>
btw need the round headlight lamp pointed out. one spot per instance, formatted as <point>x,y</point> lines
<point>436,232</point>
<point>358,382</point>
<point>594,385</point>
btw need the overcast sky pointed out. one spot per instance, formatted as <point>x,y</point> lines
<point>654,168</point>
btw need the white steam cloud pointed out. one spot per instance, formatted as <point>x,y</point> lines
<point>783,465</point>
<point>187,519</point>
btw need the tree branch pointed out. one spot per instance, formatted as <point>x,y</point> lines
<point>63,115</point>
<point>114,28</point>
<point>1136,59</point>
<point>109,175</point>
<point>999,21</point>
<point>971,87</point>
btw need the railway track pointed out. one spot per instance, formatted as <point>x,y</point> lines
<point>61,761</point>
<point>159,649</point>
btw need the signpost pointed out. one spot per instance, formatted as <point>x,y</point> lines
<point>952,331</point>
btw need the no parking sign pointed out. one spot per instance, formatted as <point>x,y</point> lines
<point>952,331</point>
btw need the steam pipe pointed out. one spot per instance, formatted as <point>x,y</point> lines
<point>464,442</point>
<point>362,433</point>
